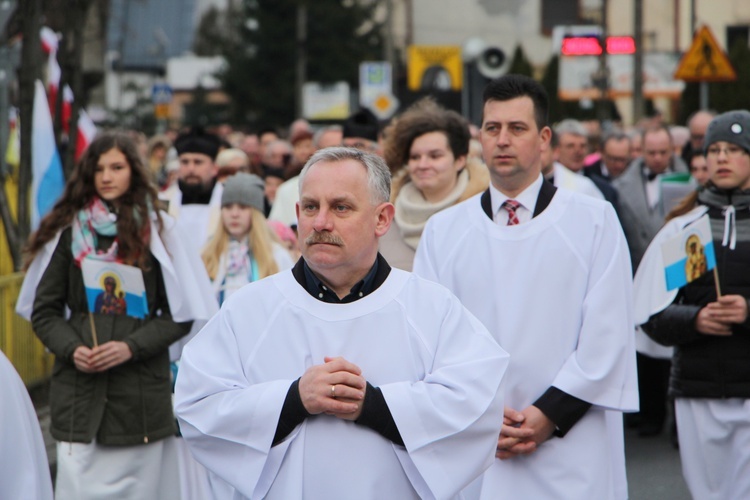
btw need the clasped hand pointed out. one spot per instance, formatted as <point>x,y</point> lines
<point>523,432</point>
<point>718,317</point>
<point>345,401</point>
<point>102,357</point>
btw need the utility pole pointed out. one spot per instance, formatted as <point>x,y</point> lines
<point>301,72</point>
<point>8,63</point>
<point>702,86</point>
<point>388,41</point>
<point>603,76</point>
<point>638,103</point>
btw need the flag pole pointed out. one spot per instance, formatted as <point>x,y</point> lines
<point>93,329</point>
<point>716,282</point>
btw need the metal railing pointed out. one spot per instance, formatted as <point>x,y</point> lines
<point>17,339</point>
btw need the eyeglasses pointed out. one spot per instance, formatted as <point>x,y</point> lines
<point>616,159</point>
<point>730,151</point>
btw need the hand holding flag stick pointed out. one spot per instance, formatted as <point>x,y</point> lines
<point>93,329</point>
<point>716,282</point>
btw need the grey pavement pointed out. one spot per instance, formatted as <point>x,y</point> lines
<point>654,468</point>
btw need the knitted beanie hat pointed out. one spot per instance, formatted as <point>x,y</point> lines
<point>245,189</point>
<point>732,126</point>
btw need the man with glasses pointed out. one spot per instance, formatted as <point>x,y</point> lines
<point>615,157</point>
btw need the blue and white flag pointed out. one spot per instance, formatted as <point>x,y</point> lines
<point>689,254</point>
<point>113,288</point>
<point>48,182</point>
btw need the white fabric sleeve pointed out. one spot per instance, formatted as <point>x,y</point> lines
<point>450,419</point>
<point>24,471</point>
<point>601,370</point>
<point>226,421</point>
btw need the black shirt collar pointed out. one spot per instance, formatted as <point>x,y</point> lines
<point>546,193</point>
<point>375,277</point>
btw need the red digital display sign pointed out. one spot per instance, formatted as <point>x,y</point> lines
<point>581,46</point>
<point>590,46</point>
<point>620,45</point>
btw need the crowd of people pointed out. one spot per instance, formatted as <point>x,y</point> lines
<point>424,308</point>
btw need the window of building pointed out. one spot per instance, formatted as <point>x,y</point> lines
<point>559,13</point>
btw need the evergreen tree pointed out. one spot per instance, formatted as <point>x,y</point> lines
<point>734,95</point>
<point>261,64</point>
<point>216,31</point>
<point>558,109</point>
<point>520,65</point>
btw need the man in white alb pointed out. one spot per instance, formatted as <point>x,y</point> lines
<point>342,378</point>
<point>547,272</point>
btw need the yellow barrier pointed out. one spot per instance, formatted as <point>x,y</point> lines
<point>17,340</point>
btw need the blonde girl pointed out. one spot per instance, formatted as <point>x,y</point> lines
<point>244,248</point>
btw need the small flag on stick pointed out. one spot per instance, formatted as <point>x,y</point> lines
<point>689,255</point>
<point>113,288</point>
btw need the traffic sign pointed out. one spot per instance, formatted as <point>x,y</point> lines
<point>161,93</point>
<point>161,111</point>
<point>374,79</point>
<point>383,105</point>
<point>705,61</point>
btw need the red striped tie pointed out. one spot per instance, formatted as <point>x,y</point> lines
<point>511,206</point>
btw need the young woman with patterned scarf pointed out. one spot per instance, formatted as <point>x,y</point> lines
<point>710,377</point>
<point>244,248</point>
<point>110,394</point>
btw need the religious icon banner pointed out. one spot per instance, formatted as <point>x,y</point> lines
<point>689,254</point>
<point>113,288</point>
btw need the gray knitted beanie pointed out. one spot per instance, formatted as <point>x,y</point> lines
<point>245,189</point>
<point>732,126</point>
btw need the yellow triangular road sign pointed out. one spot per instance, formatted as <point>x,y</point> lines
<point>705,61</point>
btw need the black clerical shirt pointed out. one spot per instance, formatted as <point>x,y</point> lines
<point>375,413</point>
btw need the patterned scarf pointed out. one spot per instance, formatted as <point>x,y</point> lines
<point>237,259</point>
<point>95,218</point>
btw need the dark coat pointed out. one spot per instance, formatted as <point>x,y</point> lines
<point>596,169</point>
<point>709,366</point>
<point>128,404</point>
<point>604,184</point>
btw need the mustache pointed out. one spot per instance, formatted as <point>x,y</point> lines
<point>326,238</point>
<point>193,179</point>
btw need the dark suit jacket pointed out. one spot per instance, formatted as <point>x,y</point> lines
<point>639,221</point>
<point>595,169</point>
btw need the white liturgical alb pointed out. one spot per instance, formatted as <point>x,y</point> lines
<point>555,292</point>
<point>438,368</point>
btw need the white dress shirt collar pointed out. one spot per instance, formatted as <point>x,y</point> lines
<point>527,198</point>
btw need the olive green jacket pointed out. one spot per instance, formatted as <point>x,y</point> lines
<point>128,404</point>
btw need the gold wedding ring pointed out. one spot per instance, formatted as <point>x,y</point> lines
<point>333,391</point>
